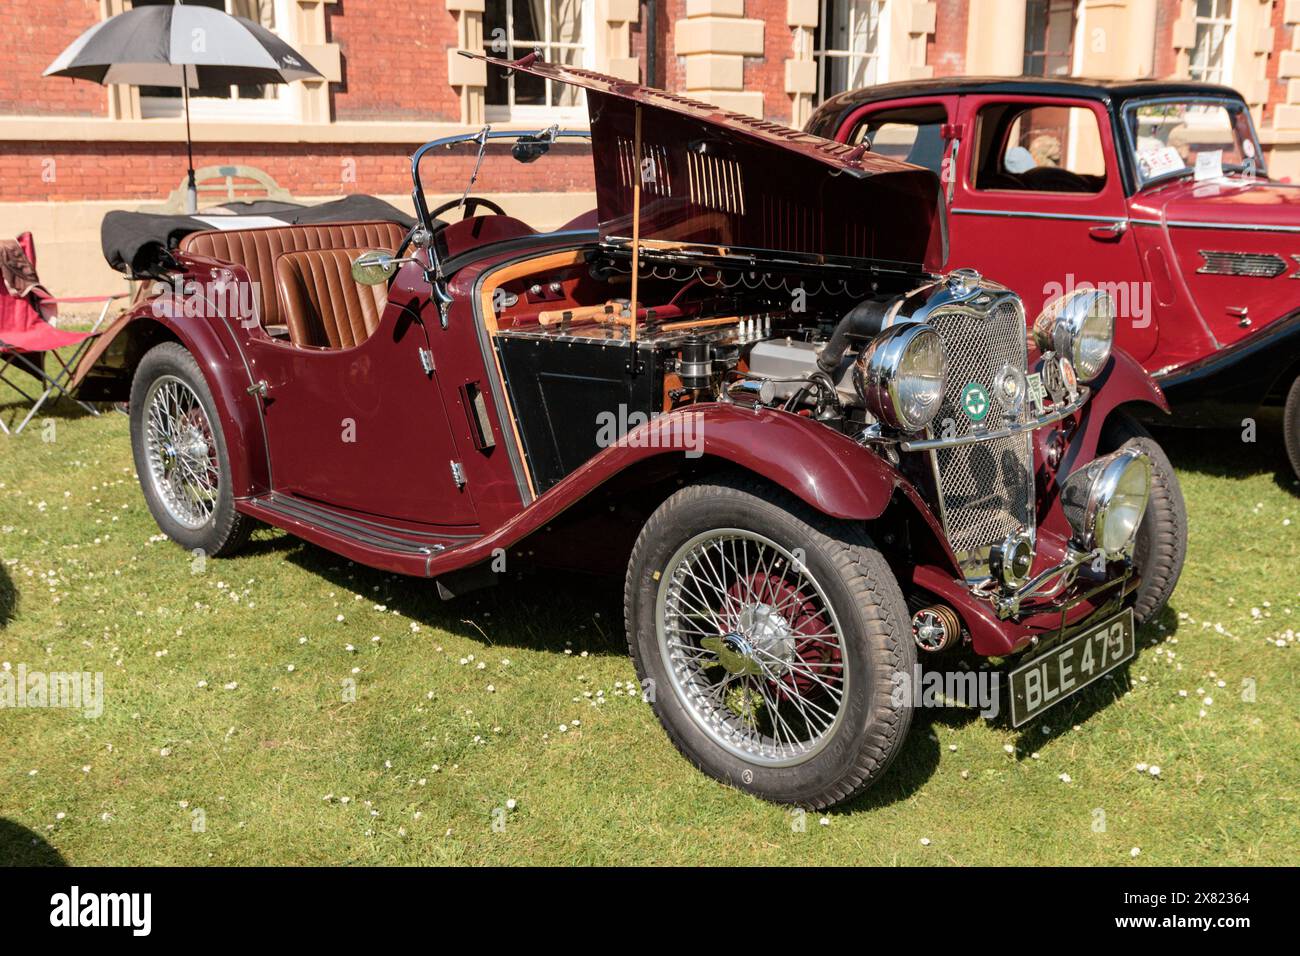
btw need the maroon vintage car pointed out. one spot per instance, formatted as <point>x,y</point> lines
<point>1154,191</point>
<point>741,379</point>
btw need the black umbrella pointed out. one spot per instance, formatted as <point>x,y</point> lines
<point>183,46</point>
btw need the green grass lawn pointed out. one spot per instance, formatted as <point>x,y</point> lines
<point>225,693</point>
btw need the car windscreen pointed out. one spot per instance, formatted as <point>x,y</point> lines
<point>1176,137</point>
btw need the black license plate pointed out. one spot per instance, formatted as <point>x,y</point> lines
<point>1067,669</point>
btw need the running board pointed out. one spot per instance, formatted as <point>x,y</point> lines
<point>372,542</point>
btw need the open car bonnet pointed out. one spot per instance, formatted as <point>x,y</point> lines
<point>718,183</point>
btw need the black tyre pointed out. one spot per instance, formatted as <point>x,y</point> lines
<point>1161,545</point>
<point>180,454</point>
<point>1291,426</point>
<point>769,637</point>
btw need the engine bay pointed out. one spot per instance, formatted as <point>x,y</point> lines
<point>569,352</point>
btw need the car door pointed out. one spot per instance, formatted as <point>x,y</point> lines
<point>1039,206</point>
<point>365,428</point>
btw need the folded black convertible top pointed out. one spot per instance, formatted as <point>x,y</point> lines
<point>140,243</point>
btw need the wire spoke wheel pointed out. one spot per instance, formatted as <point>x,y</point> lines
<point>752,646</point>
<point>181,452</point>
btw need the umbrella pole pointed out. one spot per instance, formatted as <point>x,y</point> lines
<point>192,190</point>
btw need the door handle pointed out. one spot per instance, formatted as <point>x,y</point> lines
<point>1108,232</point>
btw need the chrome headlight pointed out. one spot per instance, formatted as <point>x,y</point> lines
<point>1081,326</point>
<point>900,376</point>
<point>1104,501</point>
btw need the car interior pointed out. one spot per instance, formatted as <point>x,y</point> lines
<point>1037,148</point>
<point>305,295</point>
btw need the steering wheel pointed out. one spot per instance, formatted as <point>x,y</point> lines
<point>471,205</point>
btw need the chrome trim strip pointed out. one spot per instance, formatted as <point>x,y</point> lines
<point>1018,214</point>
<point>1062,411</point>
<point>1173,223</point>
<point>1235,226</point>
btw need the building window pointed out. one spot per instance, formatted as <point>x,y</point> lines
<point>1211,57</point>
<point>1049,37</point>
<point>559,30</point>
<point>250,100</point>
<point>848,47</point>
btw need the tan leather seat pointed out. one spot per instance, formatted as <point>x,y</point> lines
<point>321,302</point>
<point>258,249</point>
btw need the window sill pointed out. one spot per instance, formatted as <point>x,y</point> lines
<point>81,129</point>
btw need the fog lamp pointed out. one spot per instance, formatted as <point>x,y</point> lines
<point>1104,501</point>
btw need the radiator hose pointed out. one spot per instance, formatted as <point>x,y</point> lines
<point>863,321</point>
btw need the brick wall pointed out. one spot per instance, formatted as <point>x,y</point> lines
<point>672,68</point>
<point>394,56</point>
<point>33,33</point>
<point>1166,60</point>
<point>1281,42</point>
<point>145,172</point>
<point>945,49</point>
<point>766,74</point>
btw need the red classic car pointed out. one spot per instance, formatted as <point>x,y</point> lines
<point>740,382</point>
<point>1154,191</point>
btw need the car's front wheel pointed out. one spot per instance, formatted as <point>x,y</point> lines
<point>771,641</point>
<point>180,454</point>
<point>1291,426</point>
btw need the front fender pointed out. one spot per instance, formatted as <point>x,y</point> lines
<point>1123,382</point>
<point>1222,388</point>
<point>824,468</point>
<point>827,470</point>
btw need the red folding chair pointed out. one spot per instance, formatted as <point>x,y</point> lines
<point>26,337</point>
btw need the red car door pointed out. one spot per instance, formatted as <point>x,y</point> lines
<point>365,428</point>
<point>1039,206</point>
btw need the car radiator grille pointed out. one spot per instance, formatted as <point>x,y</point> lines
<point>987,488</point>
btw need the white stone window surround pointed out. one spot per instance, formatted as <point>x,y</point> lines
<point>553,49</point>
<point>281,105</point>
<point>855,32</point>
<point>301,23</point>
<point>1210,58</point>
<point>905,28</point>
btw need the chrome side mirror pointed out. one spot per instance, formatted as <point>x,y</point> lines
<point>375,267</point>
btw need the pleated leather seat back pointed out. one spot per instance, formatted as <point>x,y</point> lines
<point>258,249</point>
<point>321,302</point>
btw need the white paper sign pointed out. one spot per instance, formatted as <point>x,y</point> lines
<point>225,223</point>
<point>1159,161</point>
<point>1209,165</point>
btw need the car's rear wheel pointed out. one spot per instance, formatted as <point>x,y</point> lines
<point>1161,545</point>
<point>1291,426</point>
<point>180,454</point>
<point>770,639</point>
